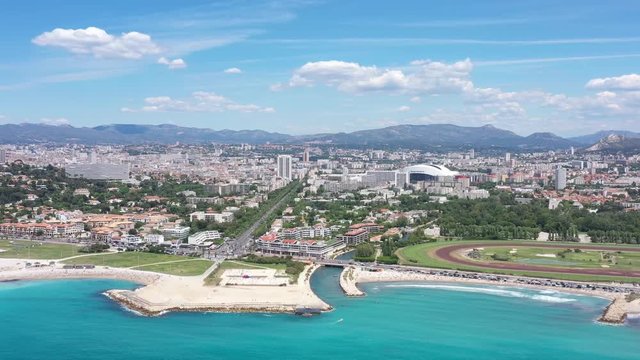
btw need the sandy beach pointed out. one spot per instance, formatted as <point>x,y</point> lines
<point>161,293</point>
<point>615,313</point>
<point>56,273</point>
<point>179,293</point>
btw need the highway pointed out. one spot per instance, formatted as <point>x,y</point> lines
<point>241,245</point>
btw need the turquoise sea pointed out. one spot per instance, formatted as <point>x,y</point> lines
<point>72,320</point>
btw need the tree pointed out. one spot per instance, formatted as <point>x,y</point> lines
<point>365,250</point>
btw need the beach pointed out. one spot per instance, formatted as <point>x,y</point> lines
<point>161,293</point>
<point>615,313</point>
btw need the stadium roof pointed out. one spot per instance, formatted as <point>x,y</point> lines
<point>433,170</point>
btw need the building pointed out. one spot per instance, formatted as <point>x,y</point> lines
<point>429,173</point>
<point>354,237</point>
<point>317,249</point>
<point>176,233</point>
<point>222,217</point>
<point>49,230</point>
<point>98,171</point>
<point>285,167</point>
<point>560,178</point>
<point>3,156</point>
<point>208,237</point>
<point>207,200</point>
<point>154,238</point>
<point>228,189</point>
<point>82,192</point>
<point>370,227</point>
<point>375,178</point>
<point>305,156</point>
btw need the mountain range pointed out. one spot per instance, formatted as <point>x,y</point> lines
<point>432,136</point>
<point>616,143</point>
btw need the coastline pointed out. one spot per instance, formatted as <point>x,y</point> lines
<point>48,273</point>
<point>185,294</point>
<point>615,313</point>
<point>162,293</point>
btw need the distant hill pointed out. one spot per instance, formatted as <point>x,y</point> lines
<point>432,136</point>
<point>595,137</point>
<point>616,143</point>
<point>130,134</point>
<point>547,140</point>
<point>444,136</point>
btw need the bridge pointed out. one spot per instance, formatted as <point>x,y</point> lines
<point>335,262</point>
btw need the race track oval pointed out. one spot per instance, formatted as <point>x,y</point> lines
<point>446,253</point>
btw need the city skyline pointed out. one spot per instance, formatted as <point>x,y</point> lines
<point>304,67</point>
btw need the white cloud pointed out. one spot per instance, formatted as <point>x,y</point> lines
<point>200,101</point>
<point>421,77</point>
<point>403,108</point>
<point>173,64</point>
<point>624,82</point>
<point>55,121</point>
<point>97,42</point>
<point>415,99</point>
<point>233,70</point>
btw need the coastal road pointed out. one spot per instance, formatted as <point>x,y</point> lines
<point>240,245</point>
<point>451,254</point>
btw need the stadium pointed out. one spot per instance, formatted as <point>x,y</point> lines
<point>428,173</point>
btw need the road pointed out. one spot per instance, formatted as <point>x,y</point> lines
<point>241,245</point>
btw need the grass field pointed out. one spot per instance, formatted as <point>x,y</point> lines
<point>189,267</point>
<point>422,255</point>
<point>569,259</point>
<point>216,276</point>
<point>125,259</point>
<point>27,249</point>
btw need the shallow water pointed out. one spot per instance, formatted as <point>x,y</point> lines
<point>72,320</point>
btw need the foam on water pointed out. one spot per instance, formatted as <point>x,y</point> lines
<point>392,323</point>
<point>497,291</point>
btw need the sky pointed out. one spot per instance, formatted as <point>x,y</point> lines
<point>569,67</point>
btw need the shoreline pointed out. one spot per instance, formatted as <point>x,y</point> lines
<point>159,293</point>
<point>615,313</point>
<point>189,294</point>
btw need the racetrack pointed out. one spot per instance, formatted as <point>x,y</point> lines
<point>452,254</point>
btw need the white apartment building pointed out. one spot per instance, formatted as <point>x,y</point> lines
<point>285,167</point>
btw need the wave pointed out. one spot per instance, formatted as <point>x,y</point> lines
<point>552,299</point>
<point>540,296</point>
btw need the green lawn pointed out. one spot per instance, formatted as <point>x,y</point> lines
<point>28,249</point>
<point>125,259</point>
<point>419,255</point>
<point>216,276</point>
<point>190,267</point>
<point>556,257</point>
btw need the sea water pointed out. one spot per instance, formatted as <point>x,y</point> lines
<point>71,319</point>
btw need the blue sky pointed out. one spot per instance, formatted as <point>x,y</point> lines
<point>299,67</point>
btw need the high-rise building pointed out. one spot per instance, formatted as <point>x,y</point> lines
<point>3,156</point>
<point>305,155</point>
<point>98,171</point>
<point>573,151</point>
<point>472,154</point>
<point>561,178</point>
<point>93,157</point>
<point>284,167</point>
<point>507,157</point>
